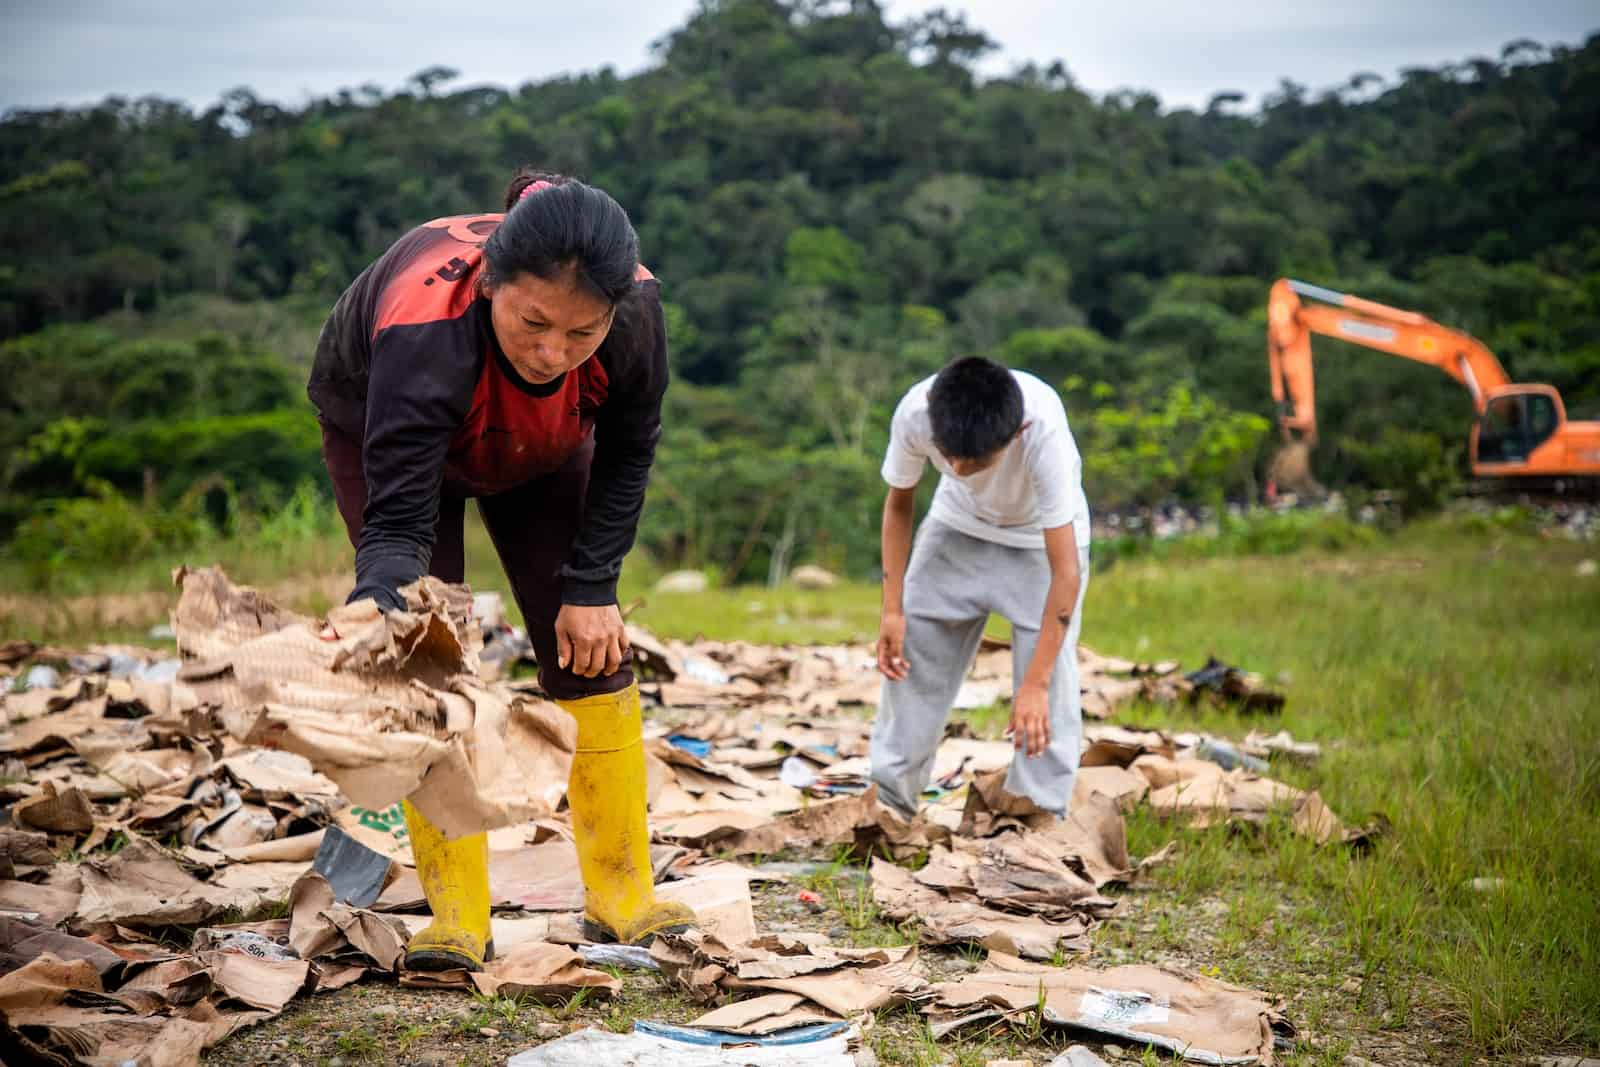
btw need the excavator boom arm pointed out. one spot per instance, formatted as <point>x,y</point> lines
<point>1291,322</point>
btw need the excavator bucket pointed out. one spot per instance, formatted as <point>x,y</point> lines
<point>1290,470</point>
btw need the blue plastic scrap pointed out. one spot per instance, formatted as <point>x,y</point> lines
<point>692,745</point>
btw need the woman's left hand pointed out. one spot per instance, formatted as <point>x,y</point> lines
<point>590,640</point>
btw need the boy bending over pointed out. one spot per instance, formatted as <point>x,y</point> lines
<point>1008,533</point>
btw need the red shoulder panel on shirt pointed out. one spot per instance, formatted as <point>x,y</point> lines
<point>438,279</point>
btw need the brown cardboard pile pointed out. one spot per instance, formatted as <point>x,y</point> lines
<point>191,791</point>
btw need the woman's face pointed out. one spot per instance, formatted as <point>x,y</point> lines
<point>547,327</point>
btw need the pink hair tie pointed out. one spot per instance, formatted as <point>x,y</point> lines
<point>533,187</point>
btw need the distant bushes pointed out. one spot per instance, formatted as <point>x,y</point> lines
<point>102,529</point>
<point>1417,467</point>
<point>64,538</point>
<point>1256,533</point>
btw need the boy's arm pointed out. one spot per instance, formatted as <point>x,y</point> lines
<point>1030,714</point>
<point>899,514</point>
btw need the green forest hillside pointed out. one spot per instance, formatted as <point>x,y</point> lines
<point>836,204</point>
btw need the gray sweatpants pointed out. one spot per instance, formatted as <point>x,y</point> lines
<point>953,582</point>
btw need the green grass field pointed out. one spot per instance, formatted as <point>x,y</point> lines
<point>1451,673</point>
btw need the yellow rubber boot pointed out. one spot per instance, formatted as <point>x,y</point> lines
<point>606,793</point>
<point>455,879</point>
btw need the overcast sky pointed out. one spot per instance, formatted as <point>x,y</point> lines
<point>78,51</point>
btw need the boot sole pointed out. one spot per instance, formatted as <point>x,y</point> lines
<point>601,935</point>
<point>444,959</point>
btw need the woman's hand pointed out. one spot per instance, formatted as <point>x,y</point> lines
<point>590,640</point>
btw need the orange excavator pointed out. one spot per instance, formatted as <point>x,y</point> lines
<point>1522,436</point>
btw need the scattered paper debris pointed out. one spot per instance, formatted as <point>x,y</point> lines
<point>274,754</point>
<point>843,981</point>
<point>1199,1019</point>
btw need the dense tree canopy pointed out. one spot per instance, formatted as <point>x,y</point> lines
<point>836,204</point>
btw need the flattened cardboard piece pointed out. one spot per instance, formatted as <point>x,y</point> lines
<point>543,973</point>
<point>65,811</point>
<point>842,981</point>
<point>763,1015</point>
<point>297,849</point>
<point>267,985</point>
<point>321,927</point>
<point>953,921</point>
<point>48,903</point>
<point>990,808</point>
<point>721,905</point>
<point>144,886</point>
<point>859,821</point>
<point>384,704</point>
<point>21,942</point>
<point>533,970</point>
<point>269,774</point>
<point>706,828</point>
<point>1124,787</point>
<point>1197,1018</point>
<point>271,882</point>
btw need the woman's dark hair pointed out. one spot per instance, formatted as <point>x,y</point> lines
<point>974,408</point>
<point>569,226</point>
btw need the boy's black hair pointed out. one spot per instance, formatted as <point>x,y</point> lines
<point>975,407</point>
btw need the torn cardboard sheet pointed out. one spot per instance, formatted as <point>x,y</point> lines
<point>384,704</point>
<point>59,1012</point>
<point>1205,794</point>
<point>721,904</point>
<point>843,981</point>
<point>321,927</point>
<point>144,886</point>
<point>50,902</point>
<point>54,811</point>
<point>1122,786</point>
<point>1031,888</point>
<point>266,985</point>
<point>543,973</point>
<point>533,970</point>
<point>21,942</point>
<point>765,1014</point>
<point>859,821</point>
<point>947,920</point>
<point>1199,1019</point>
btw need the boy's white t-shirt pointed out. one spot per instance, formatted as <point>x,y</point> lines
<point>1036,485</point>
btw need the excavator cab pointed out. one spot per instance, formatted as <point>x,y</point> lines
<point>1522,432</point>
<point>1515,422</point>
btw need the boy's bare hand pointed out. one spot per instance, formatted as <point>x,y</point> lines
<point>891,648</point>
<point>1030,721</point>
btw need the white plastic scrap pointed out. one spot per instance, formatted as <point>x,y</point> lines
<point>586,1048</point>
